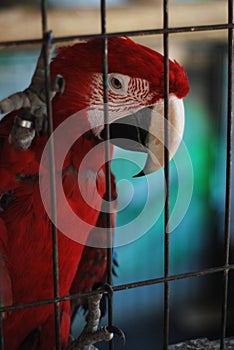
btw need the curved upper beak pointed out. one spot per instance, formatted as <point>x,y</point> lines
<point>156,142</point>
<point>144,131</point>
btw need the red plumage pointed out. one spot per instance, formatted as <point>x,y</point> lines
<point>26,269</point>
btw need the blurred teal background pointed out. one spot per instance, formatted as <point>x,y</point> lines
<point>198,241</point>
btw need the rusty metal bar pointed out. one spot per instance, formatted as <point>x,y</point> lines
<point>167,179</point>
<point>226,268</point>
<point>47,43</point>
<point>170,30</point>
<point>1,325</point>
<point>107,163</point>
<point>126,286</point>
<point>227,222</point>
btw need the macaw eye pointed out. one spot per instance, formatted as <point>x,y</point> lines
<point>116,83</point>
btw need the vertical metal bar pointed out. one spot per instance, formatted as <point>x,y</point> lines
<point>107,163</point>
<point>47,42</point>
<point>167,180</point>
<point>228,178</point>
<point>1,327</point>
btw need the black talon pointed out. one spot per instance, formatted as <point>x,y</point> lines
<point>60,85</point>
<point>92,333</point>
<point>44,127</point>
<point>118,332</point>
<point>103,288</point>
<point>108,288</point>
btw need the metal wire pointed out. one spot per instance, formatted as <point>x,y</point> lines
<point>132,33</point>
<point>47,43</point>
<point>228,180</point>
<point>107,162</point>
<point>167,278</point>
<point>125,286</point>
<point>167,179</point>
<point>1,327</point>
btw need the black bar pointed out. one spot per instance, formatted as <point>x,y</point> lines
<point>107,164</point>
<point>47,46</point>
<point>167,180</point>
<point>170,278</point>
<point>1,329</point>
<point>44,16</point>
<point>126,286</point>
<point>166,31</point>
<point>228,179</point>
<point>171,30</point>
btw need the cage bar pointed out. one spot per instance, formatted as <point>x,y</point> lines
<point>121,287</point>
<point>1,327</point>
<point>133,33</point>
<point>227,229</point>
<point>227,267</point>
<point>107,163</point>
<point>47,44</point>
<point>167,179</point>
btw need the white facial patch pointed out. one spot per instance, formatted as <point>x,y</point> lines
<point>126,95</point>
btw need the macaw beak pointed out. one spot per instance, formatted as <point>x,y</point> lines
<point>143,131</point>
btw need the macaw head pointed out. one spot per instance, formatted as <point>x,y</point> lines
<point>135,94</point>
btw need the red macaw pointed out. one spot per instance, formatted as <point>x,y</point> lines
<point>135,81</point>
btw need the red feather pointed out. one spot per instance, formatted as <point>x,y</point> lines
<point>26,268</point>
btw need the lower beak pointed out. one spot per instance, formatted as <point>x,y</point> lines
<point>144,131</point>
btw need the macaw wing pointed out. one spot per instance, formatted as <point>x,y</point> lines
<point>92,269</point>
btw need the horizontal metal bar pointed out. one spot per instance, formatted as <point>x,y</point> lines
<point>176,277</point>
<point>121,287</point>
<point>172,30</point>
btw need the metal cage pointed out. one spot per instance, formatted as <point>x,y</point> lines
<point>226,267</point>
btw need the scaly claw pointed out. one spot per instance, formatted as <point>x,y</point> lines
<point>91,334</point>
<point>117,331</point>
<point>32,102</point>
